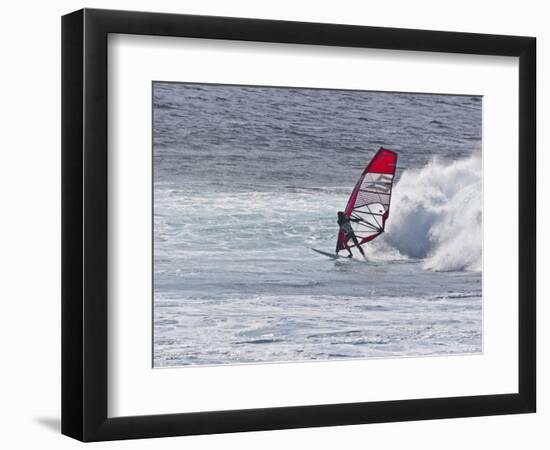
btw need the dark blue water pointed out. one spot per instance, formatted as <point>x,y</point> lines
<point>248,179</point>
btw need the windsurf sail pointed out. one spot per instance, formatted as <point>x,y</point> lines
<point>368,207</point>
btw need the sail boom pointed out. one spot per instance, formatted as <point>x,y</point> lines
<point>369,203</point>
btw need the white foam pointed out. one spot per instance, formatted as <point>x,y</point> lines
<point>437,215</point>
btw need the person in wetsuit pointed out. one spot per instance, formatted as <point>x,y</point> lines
<point>345,225</point>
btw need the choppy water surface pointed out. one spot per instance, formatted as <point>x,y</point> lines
<point>248,179</point>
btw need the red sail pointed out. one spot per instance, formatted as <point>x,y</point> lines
<point>369,204</point>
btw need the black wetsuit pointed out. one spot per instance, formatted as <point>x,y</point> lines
<point>345,225</point>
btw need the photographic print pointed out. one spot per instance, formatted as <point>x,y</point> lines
<point>300,224</point>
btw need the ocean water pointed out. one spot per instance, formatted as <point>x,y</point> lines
<point>248,179</point>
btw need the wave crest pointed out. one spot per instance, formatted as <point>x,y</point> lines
<point>437,215</point>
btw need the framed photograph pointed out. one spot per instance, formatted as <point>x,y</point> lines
<point>273,224</point>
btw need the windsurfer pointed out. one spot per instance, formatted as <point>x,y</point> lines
<point>345,226</point>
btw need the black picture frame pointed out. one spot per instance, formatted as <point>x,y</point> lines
<point>84,224</point>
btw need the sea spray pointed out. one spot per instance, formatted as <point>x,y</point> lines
<point>436,215</point>
<point>240,201</point>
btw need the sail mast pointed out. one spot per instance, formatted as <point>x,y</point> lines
<point>369,204</point>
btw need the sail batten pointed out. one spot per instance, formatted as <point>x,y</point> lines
<point>369,204</point>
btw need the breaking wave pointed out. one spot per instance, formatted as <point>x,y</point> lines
<point>437,215</point>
